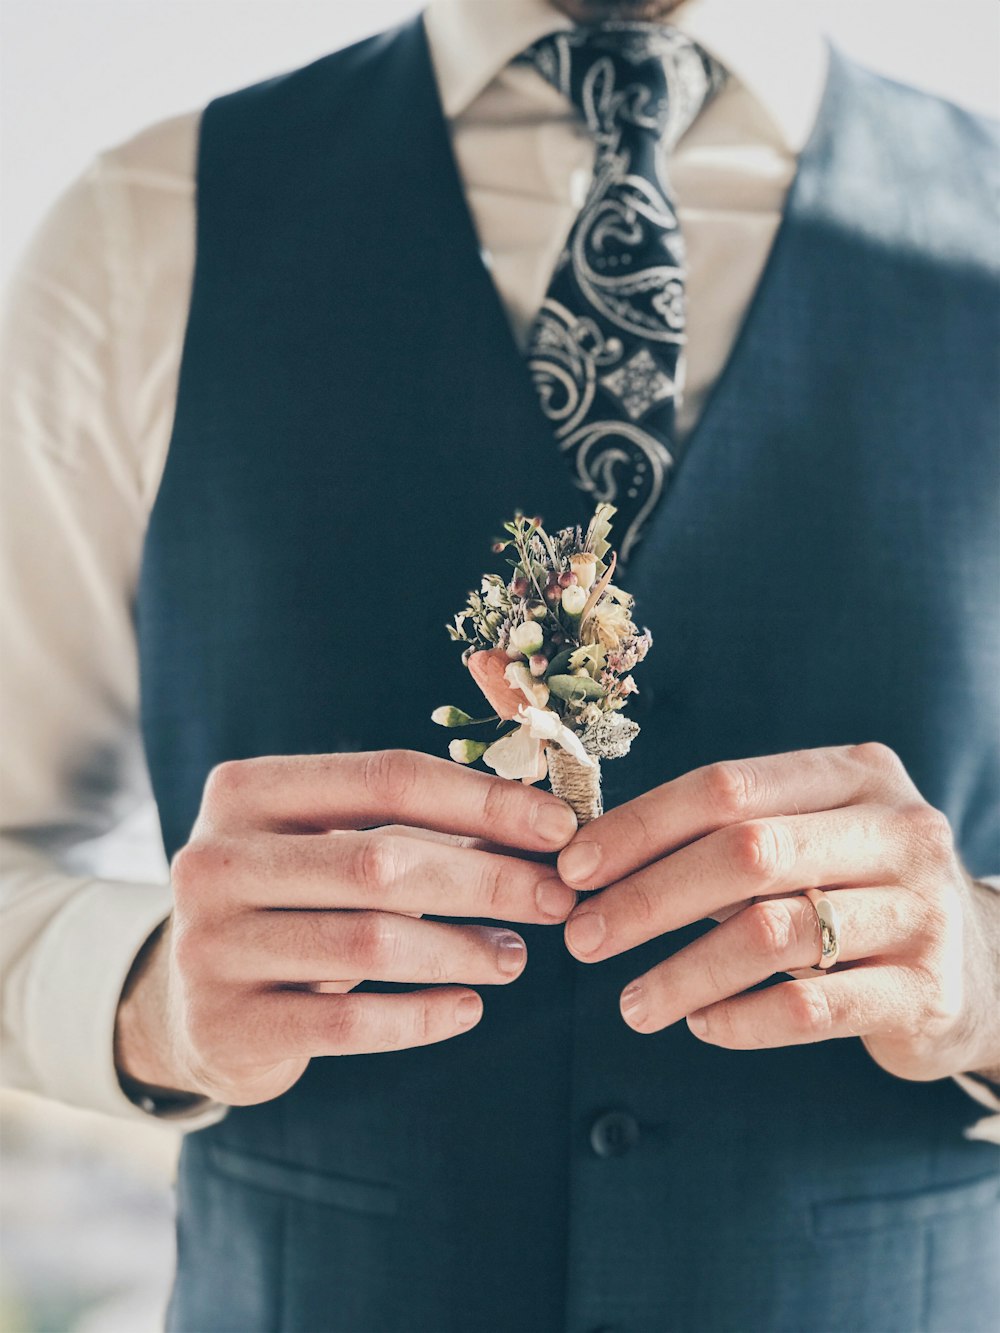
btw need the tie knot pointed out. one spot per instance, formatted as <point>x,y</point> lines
<point>628,77</point>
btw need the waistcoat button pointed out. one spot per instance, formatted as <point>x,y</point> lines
<point>613,1133</point>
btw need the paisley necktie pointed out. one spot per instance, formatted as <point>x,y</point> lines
<point>606,350</point>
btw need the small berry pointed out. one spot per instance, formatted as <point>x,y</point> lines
<point>520,586</point>
<point>567,580</point>
<point>553,593</point>
<point>538,664</point>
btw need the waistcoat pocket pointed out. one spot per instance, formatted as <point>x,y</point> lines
<point>844,1217</point>
<point>308,1183</point>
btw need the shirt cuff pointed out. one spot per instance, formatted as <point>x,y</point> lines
<point>987,1094</point>
<point>70,1000</point>
<point>988,1128</point>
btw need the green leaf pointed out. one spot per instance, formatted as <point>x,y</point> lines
<point>559,663</point>
<point>575,689</point>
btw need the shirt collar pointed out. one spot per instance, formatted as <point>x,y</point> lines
<point>771,46</point>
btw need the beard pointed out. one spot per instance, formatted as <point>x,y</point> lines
<point>597,11</point>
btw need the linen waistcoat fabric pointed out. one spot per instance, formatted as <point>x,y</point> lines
<point>353,417</point>
<point>606,350</point>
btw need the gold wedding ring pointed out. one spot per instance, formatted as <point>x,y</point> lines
<point>829,929</point>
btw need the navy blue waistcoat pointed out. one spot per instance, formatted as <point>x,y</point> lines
<point>353,424</point>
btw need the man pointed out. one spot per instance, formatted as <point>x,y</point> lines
<point>351,420</point>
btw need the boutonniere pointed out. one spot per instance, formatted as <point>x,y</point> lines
<point>552,648</point>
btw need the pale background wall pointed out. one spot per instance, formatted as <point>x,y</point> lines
<point>87,1244</point>
<point>79,75</point>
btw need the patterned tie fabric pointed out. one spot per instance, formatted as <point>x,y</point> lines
<point>607,348</point>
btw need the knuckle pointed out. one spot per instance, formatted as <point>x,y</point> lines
<point>374,944</point>
<point>375,863</point>
<point>721,1025</point>
<point>879,757</point>
<point>196,865</point>
<point>226,782</point>
<point>930,831</point>
<point>344,1023</point>
<point>757,850</point>
<point>768,928</point>
<point>638,832</point>
<point>500,802</point>
<point>937,919</point>
<point>436,969</point>
<point>493,887</point>
<point>424,1026</point>
<point>730,786</point>
<point>807,1009</point>
<point>943,993</point>
<point>389,776</point>
<point>644,904</point>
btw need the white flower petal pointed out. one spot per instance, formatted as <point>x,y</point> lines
<point>540,771</point>
<point>546,725</point>
<point>543,723</point>
<point>514,756</point>
<point>535,691</point>
<point>570,741</point>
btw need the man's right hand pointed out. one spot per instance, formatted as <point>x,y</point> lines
<point>287,887</point>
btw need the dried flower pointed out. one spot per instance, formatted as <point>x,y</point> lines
<point>552,650</point>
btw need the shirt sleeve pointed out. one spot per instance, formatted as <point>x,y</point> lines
<point>72,767</point>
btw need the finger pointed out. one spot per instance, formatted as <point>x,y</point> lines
<point>689,807</point>
<point>854,1003</point>
<point>773,936</point>
<point>861,844</point>
<point>304,1024</point>
<point>376,870</point>
<point>314,793</point>
<point>432,835</point>
<point>459,840</point>
<point>276,947</point>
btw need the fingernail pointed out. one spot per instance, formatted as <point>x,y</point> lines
<point>585,933</point>
<point>632,1002</point>
<point>510,954</point>
<point>698,1024</point>
<point>554,898</point>
<point>554,821</point>
<point>578,863</point>
<point>467,1010</point>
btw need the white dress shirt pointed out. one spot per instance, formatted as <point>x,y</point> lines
<point>93,325</point>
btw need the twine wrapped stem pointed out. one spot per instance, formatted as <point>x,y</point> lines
<point>575,783</point>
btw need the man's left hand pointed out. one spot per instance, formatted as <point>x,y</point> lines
<point>918,975</point>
